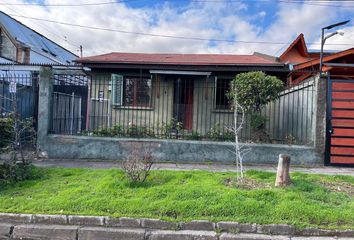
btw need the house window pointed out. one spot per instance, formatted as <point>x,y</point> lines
<point>222,86</point>
<point>131,91</point>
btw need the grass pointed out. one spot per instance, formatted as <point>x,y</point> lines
<point>312,200</point>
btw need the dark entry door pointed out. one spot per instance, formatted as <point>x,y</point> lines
<point>183,105</point>
<point>340,122</point>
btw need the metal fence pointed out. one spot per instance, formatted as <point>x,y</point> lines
<point>20,86</point>
<point>290,118</point>
<point>69,104</point>
<point>177,107</point>
<point>66,117</point>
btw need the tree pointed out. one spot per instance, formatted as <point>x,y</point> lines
<point>249,92</point>
<point>235,129</point>
<point>254,91</point>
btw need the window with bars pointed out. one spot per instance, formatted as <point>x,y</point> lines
<point>131,91</point>
<point>222,86</point>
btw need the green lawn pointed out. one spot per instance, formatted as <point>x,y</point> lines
<point>312,200</point>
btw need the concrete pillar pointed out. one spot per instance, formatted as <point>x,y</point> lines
<point>44,104</point>
<point>320,115</point>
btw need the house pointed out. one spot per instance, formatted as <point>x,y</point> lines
<point>150,97</point>
<point>22,45</point>
<point>169,93</point>
<point>335,94</point>
<point>22,52</point>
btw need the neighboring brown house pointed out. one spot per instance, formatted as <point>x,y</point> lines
<point>336,87</point>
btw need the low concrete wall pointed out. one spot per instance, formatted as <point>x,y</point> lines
<point>72,227</point>
<point>82,147</point>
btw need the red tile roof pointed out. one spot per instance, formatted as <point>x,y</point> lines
<point>179,59</point>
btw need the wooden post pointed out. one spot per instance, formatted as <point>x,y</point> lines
<point>283,177</point>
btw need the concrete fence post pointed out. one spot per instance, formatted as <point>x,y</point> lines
<point>320,115</point>
<point>44,104</point>
<point>283,177</point>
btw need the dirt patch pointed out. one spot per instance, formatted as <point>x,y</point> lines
<point>247,183</point>
<point>342,187</point>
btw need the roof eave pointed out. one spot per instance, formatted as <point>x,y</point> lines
<point>183,64</point>
<point>331,57</point>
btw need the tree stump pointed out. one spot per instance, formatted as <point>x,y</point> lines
<point>283,177</point>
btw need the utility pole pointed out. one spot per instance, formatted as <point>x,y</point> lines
<point>80,50</point>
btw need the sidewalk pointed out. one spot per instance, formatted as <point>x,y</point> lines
<point>191,166</point>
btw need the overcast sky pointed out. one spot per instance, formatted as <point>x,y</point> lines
<point>256,21</point>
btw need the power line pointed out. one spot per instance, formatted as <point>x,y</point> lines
<point>97,3</point>
<point>318,3</point>
<point>44,28</point>
<point>165,36</point>
<point>301,2</point>
<point>308,2</point>
<point>142,33</point>
<point>67,5</point>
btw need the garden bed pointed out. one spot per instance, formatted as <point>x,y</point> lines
<point>311,201</point>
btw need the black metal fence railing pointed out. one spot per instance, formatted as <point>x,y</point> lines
<point>175,107</point>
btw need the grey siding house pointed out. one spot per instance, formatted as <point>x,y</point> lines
<point>168,94</point>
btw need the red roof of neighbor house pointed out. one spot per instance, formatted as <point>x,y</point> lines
<point>179,59</point>
<point>337,68</point>
<point>297,51</point>
<point>328,58</point>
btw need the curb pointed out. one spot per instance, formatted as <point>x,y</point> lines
<point>157,224</point>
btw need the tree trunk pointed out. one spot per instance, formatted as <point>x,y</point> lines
<point>283,177</point>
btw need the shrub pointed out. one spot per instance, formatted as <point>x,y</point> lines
<point>15,172</point>
<point>115,131</point>
<point>119,131</point>
<point>6,133</point>
<point>218,133</point>
<point>166,130</point>
<point>194,135</point>
<point>20,143</point>
<point>139,131</point>
<point>138,165</point>
<point>255,90</point>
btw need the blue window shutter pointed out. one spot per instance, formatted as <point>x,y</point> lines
<point>117,89</point>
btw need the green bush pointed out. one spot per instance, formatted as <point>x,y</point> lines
<point>254,90</point>
<point>119,131</point>
<point>15,172</point>
<point>219,133</point>
<point>258,122</point>
<point>165,129</point>
<point>115,131</point>
<point>139,131</point>
<point>6,133</point>
<point>194,135</point>
<point>18,139</point>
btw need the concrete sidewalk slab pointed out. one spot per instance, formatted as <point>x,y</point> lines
<point>192,166</point>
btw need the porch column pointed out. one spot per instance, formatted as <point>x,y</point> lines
<point>44,104</point>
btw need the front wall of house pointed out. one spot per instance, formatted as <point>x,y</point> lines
<point>289,118</point>
<point>206,117</point>
<point>106,115</point>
